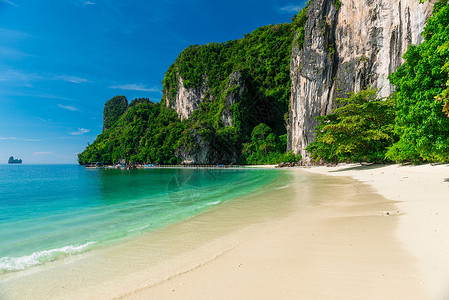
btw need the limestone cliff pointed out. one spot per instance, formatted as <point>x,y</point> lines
<point>187,99</point>
<point>347,47</point>
<point>201,150</point>
<point>198,151</point>
<point>113,109</point>
<point>235,91</point>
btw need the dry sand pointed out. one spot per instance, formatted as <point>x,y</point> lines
<point>423,195</point>
<point>344,241</point>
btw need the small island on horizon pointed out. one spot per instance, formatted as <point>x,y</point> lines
<point>11,160</point>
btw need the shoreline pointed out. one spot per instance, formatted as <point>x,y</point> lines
<point>344,248</point>
<point>312,236</point>
<point>178,166</point>
<point>85,276</point>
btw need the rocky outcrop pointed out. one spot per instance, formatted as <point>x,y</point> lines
<point>113,110</point>
<point>200,149</point>
<point>347,47</point>
<point>196,149</point>
<point>187,99</point>
<point>116,107</point>
<point>196,152</point>
<point>233,94</point>
<point>11,160</point>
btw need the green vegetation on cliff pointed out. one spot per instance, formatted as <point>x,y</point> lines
<point>113,109</point>
<point>421,87</point>
<point>245,86</point>
<point>147,132</point>
<point>261,60</point>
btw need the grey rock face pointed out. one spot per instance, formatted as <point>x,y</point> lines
<point>200,150</point>
<point>188,99</point>
<point>234,93</point>
<point>347,50</point>
<point>198,154</point>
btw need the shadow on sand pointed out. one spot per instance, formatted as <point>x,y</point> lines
<point>360,168</point>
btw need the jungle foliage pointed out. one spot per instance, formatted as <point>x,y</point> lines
<point>267,148</point>
<point>113,109</point>
<point>359,131</point>
<point>422,95</point>
<point>147,132</point>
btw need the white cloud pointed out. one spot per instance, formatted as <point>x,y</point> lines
<point>19,139</point>
<point>9,2</point>
<point>37,95</point>
<point>135,87</point>
<point>80,131</point>
<point>69,78</point>
<point>289,9</point>
<point>13,35</point>
<point>82,3</point>
<point>68,107</point>
<point>12,75</point>
<point>18,76</point>
<point>44,120</point>
<point>12,53</point>
<point>42,153</point>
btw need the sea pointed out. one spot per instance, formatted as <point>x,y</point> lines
<point>51,212</point>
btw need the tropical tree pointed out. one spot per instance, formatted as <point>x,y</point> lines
<point>421,88</point>
<point>359,131</point>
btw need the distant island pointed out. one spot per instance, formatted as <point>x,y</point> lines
<point>11,160</point>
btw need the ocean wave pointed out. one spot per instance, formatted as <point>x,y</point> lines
<point>214,203</point>
<point>142,228</point>
<point>8,264</point>
<point>283,187</point>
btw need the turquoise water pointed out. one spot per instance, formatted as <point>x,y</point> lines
<point>50,212</point>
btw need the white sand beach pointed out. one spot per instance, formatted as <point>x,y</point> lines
<point>345,232</point>
<point>422,193</point>
<point>385,237</point>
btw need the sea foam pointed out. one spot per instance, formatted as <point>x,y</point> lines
<point>214,203</point>
<point>8,264</point>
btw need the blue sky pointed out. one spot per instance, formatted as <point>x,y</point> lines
<point>61,60</point>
